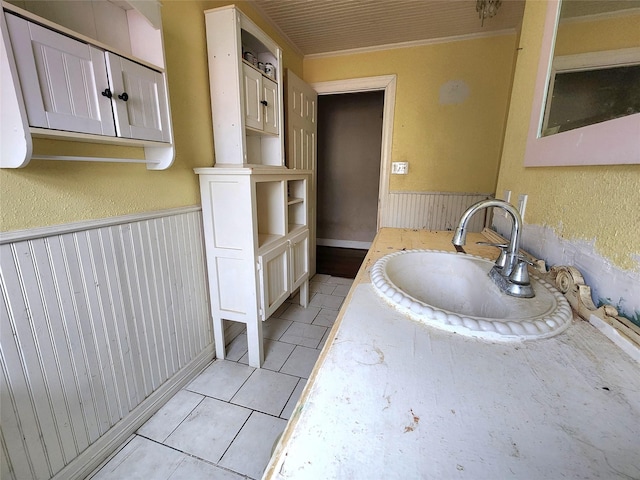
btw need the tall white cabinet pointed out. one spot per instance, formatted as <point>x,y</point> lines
<point>255,210</point>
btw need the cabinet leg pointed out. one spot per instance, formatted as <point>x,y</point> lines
<point>255,344</point>
<point>218,337</point>
<point>304,294</point>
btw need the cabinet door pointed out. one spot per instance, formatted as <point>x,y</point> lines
<point>299,259</point>
<point>252,82</point>
<point>274,279</point>
<point>61,79</point>
<point>270,95</point>
<point>143,113</point>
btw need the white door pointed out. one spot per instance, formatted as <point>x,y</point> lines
<point>252,83</point>
<point>61,79</point>
<point>274,279</point>
<point>139,100</point>
<point>271,107</point>
<point>302,133</point>
<point>299,258</point>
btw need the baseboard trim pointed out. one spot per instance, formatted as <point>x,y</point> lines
<point>93,457</point>
<point>329,242</point>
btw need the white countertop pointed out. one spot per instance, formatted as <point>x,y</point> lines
<point>392,398</point>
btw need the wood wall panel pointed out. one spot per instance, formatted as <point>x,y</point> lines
<point>92,323</point>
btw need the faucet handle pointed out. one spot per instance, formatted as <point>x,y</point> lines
<point>489,244</point>
<point>520,274</point>
<point>522,258</point>
<point>501,261</point>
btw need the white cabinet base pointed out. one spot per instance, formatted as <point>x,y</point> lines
<point>255,339</point>
<point>257,246</point>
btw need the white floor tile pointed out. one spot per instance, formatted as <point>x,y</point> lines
<point>275,354</point>
<point>300,314</point>
<point>266,391</point>
<point>209,430</point>
<point>280,310</point>
<point>320,277</point>
<point>257,437</point>
<point>237,348</point>
<point>275,327</point>
<point>221,380</point>
<point>324,339</point>
<point>304,334</point>
<point>341,290</point>
<point>296,298</point>
<point>194,469</point>
<point>326,317</point>
<point>141,459</point>
<point>172,414</point>
<point>288,409</point>
<point>321,287</point>
<point>326,301</point>
<point>301,362</point>
<point>340,281</point>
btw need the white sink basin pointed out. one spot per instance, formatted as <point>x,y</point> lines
<point>453,291</point>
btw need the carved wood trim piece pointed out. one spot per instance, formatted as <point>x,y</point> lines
<point>571,283</point>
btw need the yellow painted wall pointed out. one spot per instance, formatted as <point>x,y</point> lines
<point>598,35</point>
<point>449,147</point>
<point>593,203</point>
<point>49,193</point>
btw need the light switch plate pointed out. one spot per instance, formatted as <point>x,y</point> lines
<point>400,168</point>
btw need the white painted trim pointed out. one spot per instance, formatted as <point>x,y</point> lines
<point>414,43</point>
<point>330,242</point>
<point>39,232</point>
<point>388,84</point>
<point>607,143</point>
<point>614,335</point>
<point>93,457</point>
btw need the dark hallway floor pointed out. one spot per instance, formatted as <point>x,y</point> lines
<point>339,262</point>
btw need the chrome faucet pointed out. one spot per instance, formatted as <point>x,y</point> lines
<point>510,272</point>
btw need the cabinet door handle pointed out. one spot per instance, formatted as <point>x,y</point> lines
<point>124,97</point>
<point>107,93</point>
<point>264,102</point>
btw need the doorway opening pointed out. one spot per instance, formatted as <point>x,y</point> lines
<point>348,172</point>
<point>352,249</point>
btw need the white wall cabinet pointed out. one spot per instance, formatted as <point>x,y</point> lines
<point>261,102</point>
<point>74,88</point>
<point>257,237</point>
<point>246,103</point>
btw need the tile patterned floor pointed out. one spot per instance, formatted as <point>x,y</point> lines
<point>224,423</point>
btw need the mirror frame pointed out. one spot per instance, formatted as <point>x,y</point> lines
<point>614,142</point>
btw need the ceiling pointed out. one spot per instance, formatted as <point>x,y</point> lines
<point>322,26</point>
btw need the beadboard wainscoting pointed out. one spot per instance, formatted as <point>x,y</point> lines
<point>431,210</point>
<point>101,323</point>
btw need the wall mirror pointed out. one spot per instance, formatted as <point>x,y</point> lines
<point>586,108</point>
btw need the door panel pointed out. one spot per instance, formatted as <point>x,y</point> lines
<point>299,258</point>
<point>252,94</point>
<point>144,115</point>
<point>270,95</point>
<point>61,79</point>
<point>302,132</point>
<point>274,279</point>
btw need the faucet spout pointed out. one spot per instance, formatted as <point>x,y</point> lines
<point>509,265</point>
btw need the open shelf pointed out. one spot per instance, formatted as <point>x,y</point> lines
<point>270,210</point>
<point>296,205</point>
<point>265,239</point>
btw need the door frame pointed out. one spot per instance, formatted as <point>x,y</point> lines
<point>387,83</point>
